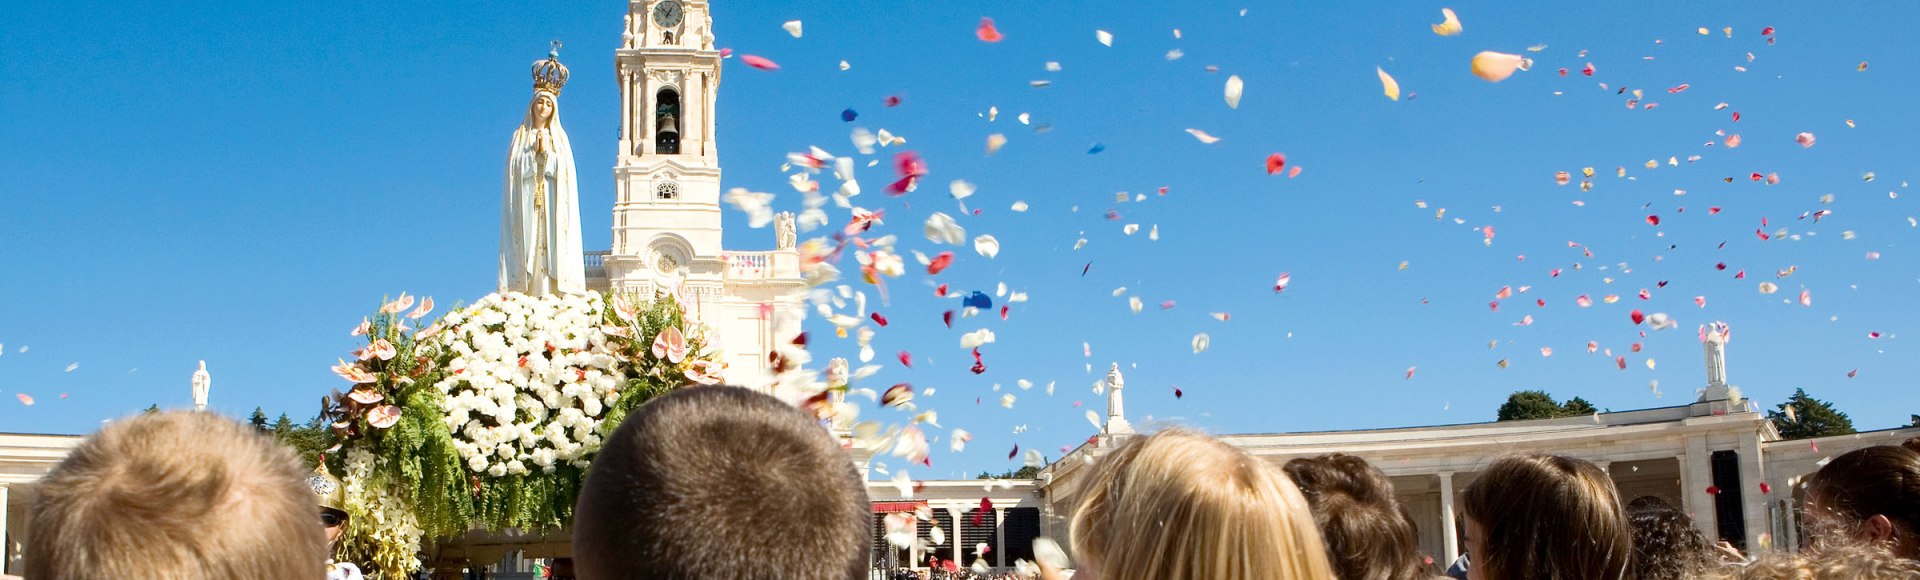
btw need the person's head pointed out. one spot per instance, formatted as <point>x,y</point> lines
<point>541,109</point>
<point>331,496</point>
<point>1178,504</point>
<point>175,495</point>
<point>1835,562</point>
<point>1666,545</point>
<point>1368,534</point>
<point>721,482</point>
<point>1546,517</point>
<point>1869,495</point>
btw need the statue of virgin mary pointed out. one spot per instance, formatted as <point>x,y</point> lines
<point>539,215</point>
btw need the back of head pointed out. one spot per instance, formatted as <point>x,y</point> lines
<point>1368,534</point>
<point>1837,562</point>
<point>1178,504</point>
<point>1666,545</point>
<point>176,495</point>
<point>721,482</point>
<point>1548,517</point>
<point>1881,480</point>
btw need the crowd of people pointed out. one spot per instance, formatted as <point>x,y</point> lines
<point>723,482</point>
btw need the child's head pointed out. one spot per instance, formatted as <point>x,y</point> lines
<point>1870,495</point>
<point>1547,517</point>
<point>176,495</point>
<point>1666,545</point>
<point>721,482</point>
<point>1178,504</point>
<point>1368,534</point>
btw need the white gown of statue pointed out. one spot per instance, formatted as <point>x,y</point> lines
<point>540,242</point>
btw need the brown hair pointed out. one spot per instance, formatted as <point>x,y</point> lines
<point>1836,562</point>
<point>1368,534</point>
<point>1548,517</point>
<point>1666,545</point>
<point>1882,480</point>
<point>721,482</point>
<point>176,495</point>
<point>1178,504</point>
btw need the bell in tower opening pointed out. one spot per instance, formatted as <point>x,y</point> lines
<point>666,119</point>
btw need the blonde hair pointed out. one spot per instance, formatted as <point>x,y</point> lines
<point>1834,562</point>
<point>178,495</point>
<point>1179,504</point>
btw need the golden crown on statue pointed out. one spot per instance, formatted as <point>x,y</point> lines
<point>549,75</point>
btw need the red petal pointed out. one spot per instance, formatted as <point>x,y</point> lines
<point>759,62</point>
<point>940,291</point>
<point>1003,311</point>
<point>1177,393</point>
<point>947,317</point>
<point>987,33</point>
<point>1276,162</point>
<point>878,319</point>
<point>1653,220</point>
<point>906,359</point>
<point>940,262</point>
<point>1638,316</point>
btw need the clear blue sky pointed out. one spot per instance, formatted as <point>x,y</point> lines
<point>242,181</point>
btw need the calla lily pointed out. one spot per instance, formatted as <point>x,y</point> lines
<point>383,416</point>
<point>363,328</point>
<point>428,332</point>
<point>670,344</point>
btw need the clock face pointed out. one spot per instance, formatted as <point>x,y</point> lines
<point>667,13</point>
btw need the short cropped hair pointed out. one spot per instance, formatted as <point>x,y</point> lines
<point>176,495</point>
<point>721,482</point>
<point>1178,504</point>
<point>1548,517</point>
<point>1368,534</point>
<point>1666,545</point>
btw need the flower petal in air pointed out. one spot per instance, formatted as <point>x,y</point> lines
<point>987,33</point>
<point>1448,27</point>
<point>1234,87</point>
<point>1494,67</point>
<point>759,62</point>
<point>1388,85</point>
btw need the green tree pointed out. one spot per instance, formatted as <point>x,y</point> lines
<point>1025,472</point>
<point>153,409</point>
<point>1916,421</point>
<point>1536,404</point>
<point>308,441</point>
<point>258,420</point>
<point>1810,418</point>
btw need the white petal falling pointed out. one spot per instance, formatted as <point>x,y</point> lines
<point>1234,86</point>
<point>987,246</point>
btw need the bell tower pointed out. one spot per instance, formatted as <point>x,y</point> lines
<point>666,214</point>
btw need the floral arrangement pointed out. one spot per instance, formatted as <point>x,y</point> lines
<point>490,416</point>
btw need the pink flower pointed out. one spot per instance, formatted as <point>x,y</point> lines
<point>365,395</point>
<point>670,344</point>
<point>353,372</point>
<point>428,332</point>
<point>382,349</point>
<point>426,305</point>
<point>704,372</point>
<point>383,416</point>
<point>394,307</point>
<point>365,326</point>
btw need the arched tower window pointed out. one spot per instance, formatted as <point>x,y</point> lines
<point>667,190</point>
<point>666,122</point>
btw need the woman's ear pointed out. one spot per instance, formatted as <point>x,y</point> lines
<point>1879,529</point>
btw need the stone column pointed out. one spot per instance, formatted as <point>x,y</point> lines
<point>1753,504</point>
<point>999,536</point>
<point>626,116</point>
<point>1698,471</point>
<point>6,547</point>
<point>1449,536</point>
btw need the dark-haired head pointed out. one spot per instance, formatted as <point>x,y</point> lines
<point>721,482</point>
<point>1869,495</point>
<point>1666,545</point>
<point>1546,517</point>
<point>1367,531</point>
